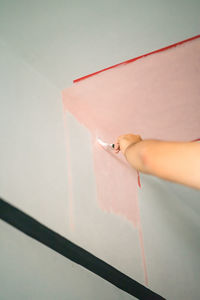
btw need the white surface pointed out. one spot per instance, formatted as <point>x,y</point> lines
<point>170,215</point>
<point>30,270</point>
<point>44,45</point>
<point>67,39</point>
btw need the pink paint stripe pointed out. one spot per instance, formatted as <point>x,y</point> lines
<point>69,175</point>
<point>141,242</point>
<point>136,58</point>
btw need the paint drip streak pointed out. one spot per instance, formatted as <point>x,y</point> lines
<point>69,176</point>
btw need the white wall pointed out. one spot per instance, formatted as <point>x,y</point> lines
<point>30,270</point>
<point>171,226</point>
<point>44,45</point>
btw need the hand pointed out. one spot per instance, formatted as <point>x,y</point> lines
<point>124,141</point>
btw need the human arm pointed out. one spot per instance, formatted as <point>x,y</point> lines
<point>173,161</point>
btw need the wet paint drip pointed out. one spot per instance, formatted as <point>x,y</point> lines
<point>141,242</point>
<point>139,183</point>
<point>69,176</point>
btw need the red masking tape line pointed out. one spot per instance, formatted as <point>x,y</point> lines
<point>136,58</point>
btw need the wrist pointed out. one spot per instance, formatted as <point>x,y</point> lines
<point>127,149</point>
<point>135,154</point>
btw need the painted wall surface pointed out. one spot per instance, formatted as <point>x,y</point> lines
<point>30,270</point>
<point>43,47</point>
<point>155,96</point>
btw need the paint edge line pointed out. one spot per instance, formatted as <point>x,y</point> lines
<point>136,58</point>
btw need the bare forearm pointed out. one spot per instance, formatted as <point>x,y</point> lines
<point>136,156</point>
<point>174,161</point>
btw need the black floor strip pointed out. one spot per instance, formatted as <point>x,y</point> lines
<point>58,243</point>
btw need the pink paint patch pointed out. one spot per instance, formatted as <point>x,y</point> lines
<point>109,169</point>
<point>157,97</point>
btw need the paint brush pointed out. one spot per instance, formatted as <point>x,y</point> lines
<point>105,145</point>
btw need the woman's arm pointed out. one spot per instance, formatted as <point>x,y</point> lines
<point>174,161</point>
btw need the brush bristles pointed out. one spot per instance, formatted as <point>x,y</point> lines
<point>103,144</point>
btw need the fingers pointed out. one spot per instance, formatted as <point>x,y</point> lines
<point>117,147</point>
<point>117,144</point>
<point>125,140</point>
